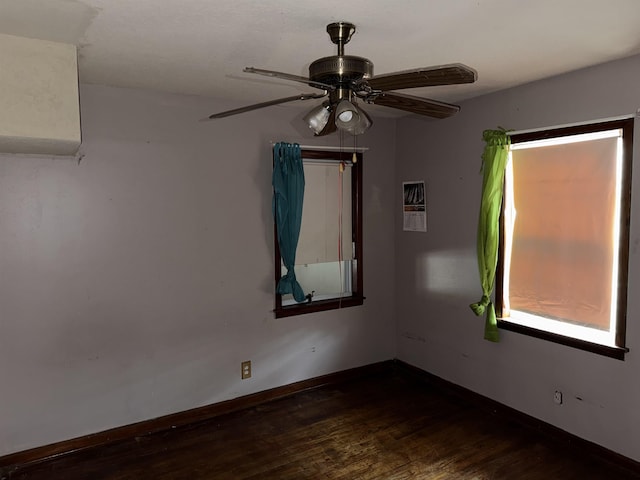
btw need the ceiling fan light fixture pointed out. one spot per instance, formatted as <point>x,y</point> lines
<point>347,114</point>
<point>364,123</point>
<point>351,118</point>
<point>317,118</point>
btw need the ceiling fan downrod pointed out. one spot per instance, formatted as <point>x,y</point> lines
<point>340,33</point>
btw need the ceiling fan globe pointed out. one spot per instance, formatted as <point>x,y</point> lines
<point>351,118</point>
<point>318,118</point>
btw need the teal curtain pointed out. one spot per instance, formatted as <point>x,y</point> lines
<point>288,195</point>
<point>494,161</point>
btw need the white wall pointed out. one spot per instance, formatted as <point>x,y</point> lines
<point>135,281</point>
<point>437,274</point>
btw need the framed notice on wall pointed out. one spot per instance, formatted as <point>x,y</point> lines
<point>414,207</point>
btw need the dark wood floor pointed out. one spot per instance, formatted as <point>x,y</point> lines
<point>385,428</point>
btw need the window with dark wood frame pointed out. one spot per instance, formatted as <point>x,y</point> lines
<point>542,276</point>
<point>356,297</point>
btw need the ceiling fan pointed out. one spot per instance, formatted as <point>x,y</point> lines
<point>345,79</point>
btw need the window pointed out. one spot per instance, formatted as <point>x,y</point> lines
<point>562,272</point>
<point>329,254</point>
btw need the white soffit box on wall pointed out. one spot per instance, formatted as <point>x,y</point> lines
<point>39,104</point>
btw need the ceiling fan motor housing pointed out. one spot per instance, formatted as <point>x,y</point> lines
<point>340,69</point>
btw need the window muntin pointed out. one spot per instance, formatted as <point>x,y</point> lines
<point>332,275</point>
<point>564,246</point>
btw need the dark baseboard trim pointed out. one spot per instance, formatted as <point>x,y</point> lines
<point>558,435</point>
<point>185,418</point>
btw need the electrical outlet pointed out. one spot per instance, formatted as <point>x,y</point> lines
<point>557,397</point>
<point>245,369</point>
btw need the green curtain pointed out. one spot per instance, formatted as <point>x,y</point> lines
<point>494,161</point>
<point>288,195</point>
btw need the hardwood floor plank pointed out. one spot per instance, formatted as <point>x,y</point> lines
<point>390,427</point>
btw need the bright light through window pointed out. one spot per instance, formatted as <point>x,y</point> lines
<point>561,246</point>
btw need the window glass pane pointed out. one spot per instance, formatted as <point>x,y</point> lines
<point>563,244</point>
<point>325,253</point>
<point>326,280</point>
<point>326,214</point>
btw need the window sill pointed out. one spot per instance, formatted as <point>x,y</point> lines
<point>608,351</point>
<point>318,306</point>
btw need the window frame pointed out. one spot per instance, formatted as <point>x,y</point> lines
<point>619,350</point>
<point>356,298</point>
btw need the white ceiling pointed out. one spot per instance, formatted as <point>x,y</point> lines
<point>201,46</point>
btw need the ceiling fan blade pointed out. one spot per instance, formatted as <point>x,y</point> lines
<point>288,76</point>
<point>235,111</point>
<point>424,77</point>
<point>421,106</point>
